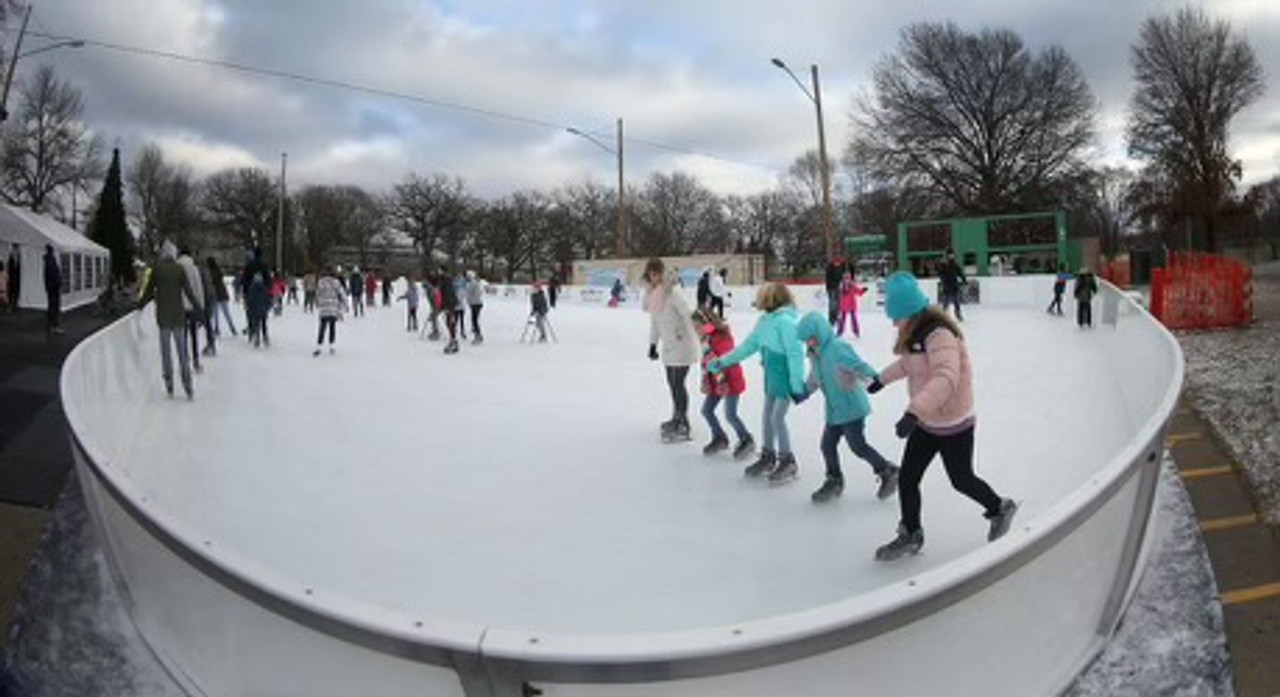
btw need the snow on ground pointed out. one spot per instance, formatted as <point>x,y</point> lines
<point>1233,378</point>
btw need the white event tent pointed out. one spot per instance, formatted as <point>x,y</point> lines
<point>86,265</point>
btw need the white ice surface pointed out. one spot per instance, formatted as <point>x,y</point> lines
<point>524,487</point>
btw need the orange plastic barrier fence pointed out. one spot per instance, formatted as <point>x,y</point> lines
<point>1116,272</point>
<point>1202,291</point>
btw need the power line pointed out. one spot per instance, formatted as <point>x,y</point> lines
<point>373,91</point>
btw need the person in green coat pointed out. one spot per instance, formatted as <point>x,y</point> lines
<point>840,372</point>
<point>167,285</point>
<point>782,355</point>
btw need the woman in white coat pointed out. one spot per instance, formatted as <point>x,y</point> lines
<point>671,325</point>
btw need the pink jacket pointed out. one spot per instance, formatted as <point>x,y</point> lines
<point>939,379</point>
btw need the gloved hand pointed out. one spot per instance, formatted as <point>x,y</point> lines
<point>799,398</point>
<point>874,386</point>
<point>653,352</point>
<point>906,425</point>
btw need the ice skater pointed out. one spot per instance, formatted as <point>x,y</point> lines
<point>538,311</point>
<point>850,292</point>
<point>169,287</point>
<point>1059,289</point>
<point>782,356</point>
<point>453,318</point>
<point>431,291</point>
<point>726,387</point>
<point>221,298</point>
<point>1086,288</point>
<point>669,324</point>
<point>410,297</point>
<point>950,279</point>
<point>840,372</point>
<point>330,302</point>
<point>934,359</point>
<point>475,301</point>
<point>355,287</point>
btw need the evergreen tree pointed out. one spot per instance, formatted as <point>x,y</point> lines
<point>109,228</point>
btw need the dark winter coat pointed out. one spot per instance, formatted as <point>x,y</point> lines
<point>219,283</point>
<point>950,275</point>
<point>52,274</point>
<point>835,274</point>
<point>1086,287</point>
<point>704,289</point>
<point>167,284</point>
<point>538,302</point>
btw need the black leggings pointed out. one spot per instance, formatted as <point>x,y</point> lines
<point>332,324</point>
<point>957,458</point>
<point>475,319</point>
<point>1084,313</point>
<point>676,375</point>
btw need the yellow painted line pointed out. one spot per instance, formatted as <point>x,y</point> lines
<point>1205,472</point>
<point>1249,595</point>
<point>1239,521</point>
<point>1176,438</point>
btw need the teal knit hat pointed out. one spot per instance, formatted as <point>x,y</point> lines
<point>902,296</point>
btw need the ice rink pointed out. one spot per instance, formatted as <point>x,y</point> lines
<point>525,487</point>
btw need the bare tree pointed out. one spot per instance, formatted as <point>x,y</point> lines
<point>591,214</point>
<point>49,146</point>
<point>162,201</point>
<point>333,215</point>
<point>1194,75</point>
<point>242,205</point>
<point>1264,201</point>
<point>676,214</point>
<point>517,230</point>
<point>976,120</point>
<point>432,211</point>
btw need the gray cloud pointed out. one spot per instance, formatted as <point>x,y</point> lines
<point>694,76</point>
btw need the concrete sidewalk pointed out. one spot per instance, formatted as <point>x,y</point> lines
<point>1244,552</point>
<point>35,458</point>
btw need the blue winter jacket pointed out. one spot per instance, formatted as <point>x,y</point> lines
<point>781,353</point>
<point>839,371</point>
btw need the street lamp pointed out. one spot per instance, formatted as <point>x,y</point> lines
<point>621,241</point>
<point>17,46</point>
<point>816,97</point>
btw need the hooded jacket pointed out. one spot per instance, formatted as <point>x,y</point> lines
<point>781,353</point>
<point>169,286</point>
<point>838,370</point>
<point>939,377</point>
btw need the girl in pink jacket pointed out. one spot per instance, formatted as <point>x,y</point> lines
<point>939,418</point>
<point>850,291</point>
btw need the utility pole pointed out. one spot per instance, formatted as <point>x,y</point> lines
<point>13,61</point>
<point>280,219</point>
<point>621,242</point>
<point>828,224</point>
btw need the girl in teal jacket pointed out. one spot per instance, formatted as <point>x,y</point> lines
<point>839,372</point>
<point>782,355</point>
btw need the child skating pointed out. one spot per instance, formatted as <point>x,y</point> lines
<point>850,292</point>
<point>410,297</point>
<point>782,356</point>
<point>727,387</point>
<point>670,326</point>
<point>330,302</point>
<point>934,359</point>
<point>840,372</point>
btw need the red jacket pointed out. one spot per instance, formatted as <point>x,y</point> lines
<point>716,344</point>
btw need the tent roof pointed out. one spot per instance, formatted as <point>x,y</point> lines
<point>35,230</point>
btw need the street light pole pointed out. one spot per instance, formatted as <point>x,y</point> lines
<point>8,74</point>
<point>280,219</point>
<point>620,241</point>
<point>828,222</point>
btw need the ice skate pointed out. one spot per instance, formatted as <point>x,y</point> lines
<point>477,339</point>
<point>452,346</point>
<point>168,386</point>
<point>902,545</point>
<point>315,352</point>
<point>763,464</point>
<point>332,350</point>
<point>786,470</point>
<point>830,489</point>
<point>718,443</point>
<point>888,483</point>
<point>744,449</point>
<point>676,432</point>
<point>1001,521</point>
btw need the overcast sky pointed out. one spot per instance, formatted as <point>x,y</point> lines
<point>691,80</point>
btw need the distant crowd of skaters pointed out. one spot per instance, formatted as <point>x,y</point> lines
<point>193,299</point>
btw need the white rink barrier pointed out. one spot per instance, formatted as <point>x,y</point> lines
<point>1018,617</point>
